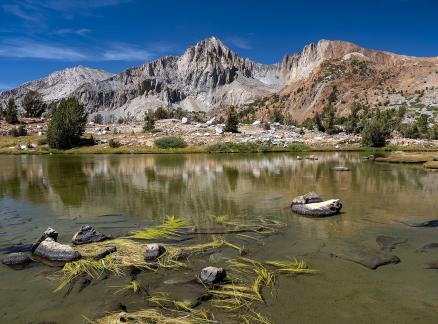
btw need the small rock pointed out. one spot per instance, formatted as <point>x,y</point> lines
<point>87,234</point>
<point>54,251</point>
<point>256,123</point>
<point>308,198</point>
<point>211,275</point>
<point>153,251</point>
<point>211,122</point>
<point>49,232</point>
<point>219,130</point>
<point>185,120</point>
<point>340,168</point>
<point>18,258</point>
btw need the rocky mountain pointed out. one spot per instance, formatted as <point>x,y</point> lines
<point>58,85</point>
<point>210,77</point>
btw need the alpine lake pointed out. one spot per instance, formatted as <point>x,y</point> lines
<point>243,200</point>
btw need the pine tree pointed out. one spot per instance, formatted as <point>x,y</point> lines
<point>33,104</point>
<point>149,121</point>
<point>232,121</point>
<point>67,124</point>
<point>11,115</point>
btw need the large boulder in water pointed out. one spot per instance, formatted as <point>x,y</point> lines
<point>18,259</point>
<point>212,275</point>
<point>54,251</point>
<point>88,234</point>
<point>49,232</point>
<point>311,204</point>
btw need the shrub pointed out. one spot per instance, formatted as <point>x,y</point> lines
<point>42,141</point>
<point>277,117</point>
<point>161,113</point>
<point>232,121</point>
<point>114,143</point>
<point>33,104</point>
<point>67,124</point>
<point>11,115</point>
<point>308,123</point>
<point>376,131</point>
<point>98,119</point>
<point>266,126</point>
<point>170,142</point>
<point>18,131</point>
<point>298,147</point>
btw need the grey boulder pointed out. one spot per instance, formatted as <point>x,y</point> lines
<point>54,251</point>
<point>49,232</point>
<point>88,234</point>
<point>311,204</point>
<point>16,259</point>
<point>154,251</point>
<point>212,275</point>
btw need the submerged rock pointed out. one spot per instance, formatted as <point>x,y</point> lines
<point>389,243</point>
<point>341,168</point>
<point>368,258</point>
<point>49,232</point>
<point>153,251</point>
<point>16,259</point>
<point>424,223</point>
<point>211,275</point>
<point>429,247</point>
<point>88,234</point>
<point>54,251</point>
<point>432,265</point>
<point>311,205</point>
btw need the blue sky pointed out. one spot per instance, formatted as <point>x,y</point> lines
<point>40,37</point>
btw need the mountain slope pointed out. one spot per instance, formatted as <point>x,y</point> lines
<point>58,85</point>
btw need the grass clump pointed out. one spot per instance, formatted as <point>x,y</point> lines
<point>170,142</point>
<point>169,229</point>
<point>114,143</point>
<point>298,147</point>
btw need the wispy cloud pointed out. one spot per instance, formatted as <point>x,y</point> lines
<point>125,52</point>
<point>239,42</point>
<point>23,11</point>
<point>71,31</point>
<point>25,48</point>
<point>28,48</point>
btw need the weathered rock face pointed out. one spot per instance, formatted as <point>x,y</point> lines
<point>49,232</point>
<point>54,251</point>
<point>211,275</point>
<point>88,234</point>
<point>16,259</point>
<point>153,251</point>
<point>311,204</point>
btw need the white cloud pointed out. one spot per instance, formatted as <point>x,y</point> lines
<point>239,42</point>
<point>25,48</point>
<point>125,52</point>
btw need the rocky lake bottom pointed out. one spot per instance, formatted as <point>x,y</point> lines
<point>375,260</point>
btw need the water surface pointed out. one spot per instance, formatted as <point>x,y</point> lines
<point>121,192</point>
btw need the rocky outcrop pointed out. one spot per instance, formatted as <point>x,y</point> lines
<point>88,234</point>
<point>49,232</point>
<point>311,204</point>
<point>212,275</point>
<point>51,250</point>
